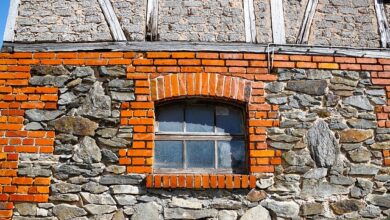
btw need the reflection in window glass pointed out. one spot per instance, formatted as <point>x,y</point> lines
<point>200,135</point>
<point>231,154</point>
<point>200,119</point>
<point>200,154</point>
<point>168,154</point>
<point>170,118</point>
<point>228,120</point>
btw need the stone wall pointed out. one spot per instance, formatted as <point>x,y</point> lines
<point>336,23</point>
<point>61,21</point>
<point>293,13</point>
<point>345,23</point>
<point>77,136</point>
<point>327,129</point>
<point>263,21</point>
<point>210,21</point>
<point>131,16</point>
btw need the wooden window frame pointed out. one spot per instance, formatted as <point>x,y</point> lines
<point>206,136</point>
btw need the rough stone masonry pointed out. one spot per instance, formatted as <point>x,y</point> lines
<point>325,158</point>
<point>351,23</point>
<point>77,128</point>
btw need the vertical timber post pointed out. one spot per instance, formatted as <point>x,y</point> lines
<point>277,18</point>
<point>250,25</point>
<point>152,20</point>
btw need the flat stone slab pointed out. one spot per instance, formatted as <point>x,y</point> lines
<point>75,125</point>
<point>121,180</point>
<point>310,87</point>
<point>179,213</point>
<point>360,102</point>
<point>355,135</point>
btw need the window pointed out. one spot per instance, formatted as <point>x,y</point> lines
<point>199,136</point>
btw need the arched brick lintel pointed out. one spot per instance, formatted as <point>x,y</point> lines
<point>200,84</point>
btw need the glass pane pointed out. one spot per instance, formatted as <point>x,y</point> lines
<point>200,119</point>
<point>168,154</point>
<point>229,120</point>
<point>200,154</point>
<point>170,118</point>
<point>231,154</point>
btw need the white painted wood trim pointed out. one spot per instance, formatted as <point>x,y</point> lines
<point>152,20</point>
<point>277,18</point>
<point>250,25</point>
<point>9,32</point>
<point>304,31</point>
<point>383,25</point>
<point>112,20</point>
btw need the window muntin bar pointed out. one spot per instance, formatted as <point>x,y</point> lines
<point>202,136</point>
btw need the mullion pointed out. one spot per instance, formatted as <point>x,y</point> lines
<point>215,141</point>
<point>184,119</point>
<point>184,154</point>
<point>184,141</point>
<point>215,119</point>
<point>215,154</point>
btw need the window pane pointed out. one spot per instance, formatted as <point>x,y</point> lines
<point>229,120</point>
<point>170,118</point>
<point>200,119</point>
<point>200,154</point>
<point>231,154</point>
<point>168,154</point>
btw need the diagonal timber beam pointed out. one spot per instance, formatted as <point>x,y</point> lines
<point>112,20</point>
<point>304,31</point>
<point>9,32</point>
<point>383,25</point>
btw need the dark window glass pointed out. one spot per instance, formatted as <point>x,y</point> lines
<point>229,120</point>
<point>200,154</point>
<point>170,119</point>
<point>194,136</point>
<point>231,154</point>
<point>168,154</point>
<point>200,119</point>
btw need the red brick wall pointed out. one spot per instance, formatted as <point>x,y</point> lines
<point>187,74</point>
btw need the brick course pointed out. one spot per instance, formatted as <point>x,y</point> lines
<point>237,77</point>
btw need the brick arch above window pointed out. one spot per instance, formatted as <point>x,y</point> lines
<point>248,92</point>
<point>201,84</point>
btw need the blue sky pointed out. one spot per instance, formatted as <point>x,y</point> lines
<point>4,4</point>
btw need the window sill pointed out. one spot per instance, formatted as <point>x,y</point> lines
<point>200,181</point>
